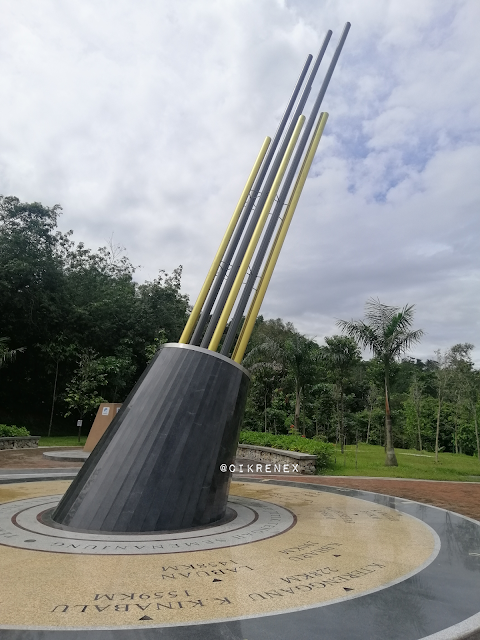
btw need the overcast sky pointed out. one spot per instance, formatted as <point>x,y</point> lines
<point>142,118</point>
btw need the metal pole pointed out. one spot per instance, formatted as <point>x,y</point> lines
<point>187,332</point>
<point>255,268</point>
<point>261,202</point>
<point>210,301</point>
<point>255,238</point>
<point>277,246</point>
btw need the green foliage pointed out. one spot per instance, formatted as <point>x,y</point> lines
<point>151,349</point>
<point>11,431</point>
<point>341,356</point>
<point>323,450</point>
<point>376,432</point>
<point>160,305</point>
<point>413,394</point>
<point>81,393</point>
<point>60,298</point>
<point>283,360</point>
<point>387,333</point>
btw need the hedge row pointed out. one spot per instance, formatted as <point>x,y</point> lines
<point>323,450</point>
<point>11,431</point>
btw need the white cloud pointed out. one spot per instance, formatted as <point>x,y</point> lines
<point>143,120</point>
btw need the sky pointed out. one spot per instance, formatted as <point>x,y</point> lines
<point>143,118</point>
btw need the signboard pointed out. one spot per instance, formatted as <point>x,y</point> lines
<point>105,414</point>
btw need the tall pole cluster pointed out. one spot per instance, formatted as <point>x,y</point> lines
<point>251,245</point>
<point>135,479</point>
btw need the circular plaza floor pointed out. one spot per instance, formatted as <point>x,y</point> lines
<point>293,560</point>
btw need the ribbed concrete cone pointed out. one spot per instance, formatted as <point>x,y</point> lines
<point>157,467</point>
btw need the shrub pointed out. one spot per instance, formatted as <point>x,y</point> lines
<point>323,450</point>
<point>11,431</point>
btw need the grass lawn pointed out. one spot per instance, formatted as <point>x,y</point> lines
<point>411,464</point>
<point>370,462</point>
<point>62,441</point>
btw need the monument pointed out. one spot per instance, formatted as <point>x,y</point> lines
<point>152,538</point>
<point>158,465</point>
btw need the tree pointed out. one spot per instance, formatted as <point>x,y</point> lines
<point>301,356</point>
<point>159,340</point>
<point>51,287</point>
<point>82,393</point>
<point>464,381</point>
<point>373,396</point>
<point>387,333</point>
<point>474,393</point>
<point>264,360</point>
<point>58,351</point>
<point>321,405</point>
<point>441,380</point>
<point>266,374</point>
<point>277,413</point>
<point>161,306</point>
<point>277,350</point>
<point>341,355</point>
<point>416,395</point>
<point>30,270</point>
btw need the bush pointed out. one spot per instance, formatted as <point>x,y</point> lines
<point>323,450</point>
<point>11,431</point>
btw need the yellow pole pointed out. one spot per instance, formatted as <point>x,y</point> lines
<point>255,238</point>
<point>249,323</point>
<point>187,332</point>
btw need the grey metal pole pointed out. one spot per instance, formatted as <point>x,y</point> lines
<point>260,256</point>
<point>261,202</point>
<point>217,283</point>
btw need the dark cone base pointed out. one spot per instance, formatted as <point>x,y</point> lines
<point>157,467</point>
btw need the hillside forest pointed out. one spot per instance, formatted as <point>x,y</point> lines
<point>76,329</point>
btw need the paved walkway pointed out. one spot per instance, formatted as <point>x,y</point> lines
<point>33,459</point>
<point>461,497</point>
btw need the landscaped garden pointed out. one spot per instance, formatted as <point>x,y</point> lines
<point>369,460</point>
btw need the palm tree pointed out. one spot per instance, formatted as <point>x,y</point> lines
<point>387,332</point>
